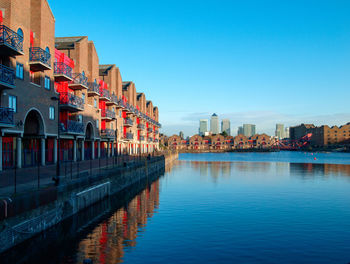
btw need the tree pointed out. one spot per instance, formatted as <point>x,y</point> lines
<point>224,133</point>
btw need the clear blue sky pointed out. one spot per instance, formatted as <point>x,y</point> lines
<point>261,62</point>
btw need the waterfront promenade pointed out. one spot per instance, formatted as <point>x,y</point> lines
<point>17,181</point>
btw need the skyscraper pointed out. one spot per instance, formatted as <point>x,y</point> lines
<point>214,124</point>
<point>240,131</point>
<point>203,127</point>
<point>248,130</point>
<point>279,133</point>
<point>226,126</point>
<point>286,132</point>
<point>181,134</point>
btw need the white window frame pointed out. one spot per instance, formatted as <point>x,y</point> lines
<point>52,113</point>
<point>13,103</point>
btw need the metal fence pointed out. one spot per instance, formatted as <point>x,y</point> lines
<point>35,176</point>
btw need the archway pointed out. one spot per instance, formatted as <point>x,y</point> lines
<point>89,137</point>
<point>34,131</point>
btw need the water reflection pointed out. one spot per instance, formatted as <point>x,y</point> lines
<point>107,242</point>
<point>225,169</point>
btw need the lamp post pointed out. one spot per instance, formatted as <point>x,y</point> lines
<point>57,178</point>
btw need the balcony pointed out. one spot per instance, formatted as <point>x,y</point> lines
<point>149,130</point>
<point>11,43</point>
<point>108,133</point>
<point>6,117</point>
<point>121,104</point>
<point>93,89</point>
<point>79,82</point>
<point>7,77</point>
<point>150,139</point>
<point>107,115</point>
<point>156,132</point>
<point>141,126</point>
<point>104,95</point>
<point>71,102</point>
<point>113,100</point>
<point>129,136</point>
<point>39,59</point>
<point>62,72</point>
<point>72,127</point>
<point>128,122</point>
<point>128,109</point>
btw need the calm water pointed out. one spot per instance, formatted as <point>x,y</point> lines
<point>227,208</point>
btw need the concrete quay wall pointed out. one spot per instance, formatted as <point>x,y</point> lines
<point>35,212</point>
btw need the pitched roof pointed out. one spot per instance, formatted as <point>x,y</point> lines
<point>126,85</point>
<point>67,42</point>
<point>103,69</point>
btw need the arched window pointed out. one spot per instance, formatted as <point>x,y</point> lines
<point>20,32</point>
<point>47,50</point>
<point>83,73</point>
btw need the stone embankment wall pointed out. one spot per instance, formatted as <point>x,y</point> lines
<point>34,212</point>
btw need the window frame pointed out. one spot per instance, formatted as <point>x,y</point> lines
<point>19,66</point>
<point>52,112</point>
<point>47,80</point>
<point>13,102</point>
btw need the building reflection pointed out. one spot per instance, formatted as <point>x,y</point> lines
<point>308,170</point>
<point>109,240</point>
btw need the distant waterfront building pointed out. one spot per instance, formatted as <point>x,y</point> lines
<point>249,130</point>
<point>286,132</point>
<point>240,131</point>
<point>181,134</point>
<point>214,124</point>
<point>226,126</point>
<point>279,133</point>
<point>203,127</point>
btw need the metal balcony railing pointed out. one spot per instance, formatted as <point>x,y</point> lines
<point>105,93</point>
<point>79,78</point>
<point>141,126</point>
<point>149,130</point>
<point>37,54</point>
<point>7,75</point>
<point>129,136</point>
<point>6,116</point>
<point>62,68</point>
<point>114,98</point>
<point>72,100</point>
<point>121,103</point>
<point>128,121</point>
<point>11,39</point>
<point>71,126</point>
<point>107,132</point>
<point>94,87</point>
<point>107,114</point>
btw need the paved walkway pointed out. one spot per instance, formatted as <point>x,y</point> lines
<point>21,180</point>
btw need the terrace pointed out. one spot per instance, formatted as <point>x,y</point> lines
<point>62,72</point>
<point>39,59</point>
<point>71,102</point>
<point>11,43</point>
<point>72,127</point>
<point>79,81</point>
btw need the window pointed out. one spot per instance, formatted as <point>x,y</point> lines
<point>80,118</point>
<point>95,103</point>
<point>19,71</point>
<point>83,97</point>
<point>52,113</point>
<point>47,83</point>
<point>35,78</point>
<point>20,32</point>
<point>96,123</point>
<point>13,102</point>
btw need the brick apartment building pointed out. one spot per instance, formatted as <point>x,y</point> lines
<point>323,135</point>
<point>57,100</point>
<point>220,142</point>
